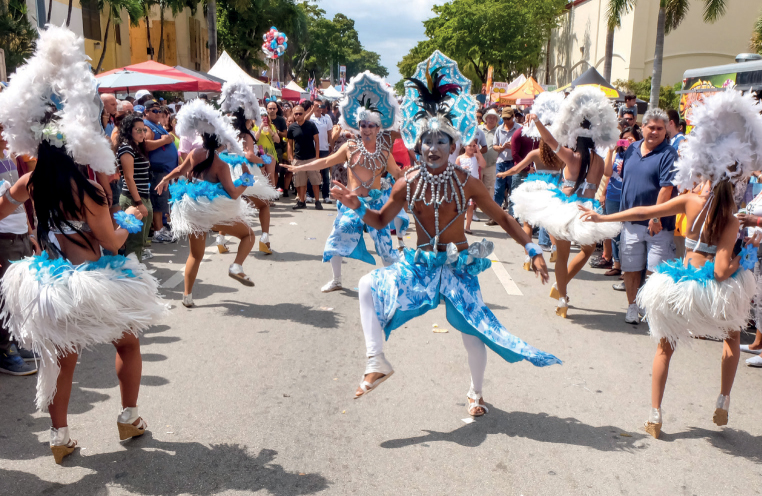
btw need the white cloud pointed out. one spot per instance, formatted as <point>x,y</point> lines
<point>389,27</point>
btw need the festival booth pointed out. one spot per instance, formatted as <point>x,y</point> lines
<point>227,69</point>
<point>292,95</point>
<point>592,77</point>
<point>183,81</point>
<point>499,88</point>
<point>292,86</point>
<point>523,94</point>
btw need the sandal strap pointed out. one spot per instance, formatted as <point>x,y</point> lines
<point>366,386</point>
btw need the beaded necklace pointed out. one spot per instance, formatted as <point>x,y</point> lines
<point>440,188</point>
<point>374,162</point>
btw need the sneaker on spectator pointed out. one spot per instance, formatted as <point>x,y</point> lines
<point>11,363</point>
<point>310,199</point>
<point>619,286</point>
<point>299,205</point>
<point>27,355</point>
<point>476,219</point>
<point>632,316</point>
<point>327,201</point>
<point>318,206</point>
<point>284,195</point>
<point>166,235</point>
<point>147,254</point>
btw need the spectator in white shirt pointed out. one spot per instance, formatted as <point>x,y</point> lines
<point>324,124</point>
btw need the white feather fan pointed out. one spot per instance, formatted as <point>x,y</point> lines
<point>545,107</point>
<point>198,117</point>
<point>238,94</point>
<point>586,102</point>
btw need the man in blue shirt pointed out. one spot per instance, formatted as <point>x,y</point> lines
<point>502,145</point>
<point>162,154</point>
<point>674,129</point>
<point>647,172</point>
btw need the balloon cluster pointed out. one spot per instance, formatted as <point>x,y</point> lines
<point>275,43</point>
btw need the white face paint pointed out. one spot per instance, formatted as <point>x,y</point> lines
<point>368,131</point>
<point>435,149</point>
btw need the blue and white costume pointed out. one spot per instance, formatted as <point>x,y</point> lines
<point>425,277</point>
<point>261,188</point>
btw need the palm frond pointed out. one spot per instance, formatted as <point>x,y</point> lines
<point>713,10</point>
<point>616,10</point>
<point>674,13</point>
<point>756,37</point>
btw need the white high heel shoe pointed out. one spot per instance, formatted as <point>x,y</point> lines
<point>125,423</point>
<point>562,308</point>
<point>653,424</point>
<point>720,416</point>
<point>61,444</point>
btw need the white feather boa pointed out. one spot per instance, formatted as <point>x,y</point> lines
<point>677,311</point>
<point>238,94</point>
<point>727,130</point>
<point>59,65</point>
<point>60,310</point>
<point>198,117</point>
<point>545,107</point>
<point>586,102</point>
<point>538,203</point>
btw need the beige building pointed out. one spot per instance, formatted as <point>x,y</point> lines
<point>185,36</point>
<point>580,41</point>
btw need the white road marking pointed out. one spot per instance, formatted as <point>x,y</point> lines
<point>173,281</point>
<point>504,278</point>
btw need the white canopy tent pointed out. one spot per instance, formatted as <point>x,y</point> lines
<point>332,94</point>
<point>295,87</point>
<point>227,69</point>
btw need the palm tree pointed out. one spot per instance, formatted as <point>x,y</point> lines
<point>211,23</point>
<point>671,14</point>
<point>114,9</point>
<point>616,9</point>
<point>756,37</point>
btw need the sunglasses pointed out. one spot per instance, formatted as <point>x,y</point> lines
<point>155,111</point>
<point>139,131</point>
<point>368,126</point>
<point>298,113</point>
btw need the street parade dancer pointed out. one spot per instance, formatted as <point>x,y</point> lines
<point>708,294</point>
<point>370,111</point>
<point>71,297</point>
<point>212,199</point>
<point>585,120</point>
<point>240,103</point>
<point>438,111</point>
<point>547,165</point>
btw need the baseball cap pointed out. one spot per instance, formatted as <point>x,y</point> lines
<point>141,93</point>
<point>139,109</point>
<point>507,113</point>
<point>150,104</point>
<point>491,112</point>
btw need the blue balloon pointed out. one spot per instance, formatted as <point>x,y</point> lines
<point>285,45</point>
<point>274,45</point>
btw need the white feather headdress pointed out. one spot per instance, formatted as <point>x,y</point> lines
<point>591,104</point>
<point>238,94</point>
<point>198,117</point>
<point>57,77</point>
<point>727,131</point>
<point>545,107</point>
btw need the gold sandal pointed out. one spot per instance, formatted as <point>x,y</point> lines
<point>236,272</point>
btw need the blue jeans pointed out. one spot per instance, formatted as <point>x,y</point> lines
<point>502,184</point>
<point>612,207</point>
<point>543,239</point>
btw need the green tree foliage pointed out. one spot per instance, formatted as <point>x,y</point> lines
<point>17,35</point>
<point>113,9</point>
<point>331,42</point>
<point>756,36</point>
<point>668,96</point>
<point>509,35</point>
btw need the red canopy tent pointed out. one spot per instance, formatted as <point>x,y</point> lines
<point>291,95</point>
<point>188,82</point>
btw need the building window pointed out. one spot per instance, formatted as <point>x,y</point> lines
<point>91,20</point>
<point>118,33</point>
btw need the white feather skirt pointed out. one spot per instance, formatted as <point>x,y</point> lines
<point>541,203</point>
<point>683,302</point>
<point>262,188</point>
<point>56,308</point>
<point>199,205</point>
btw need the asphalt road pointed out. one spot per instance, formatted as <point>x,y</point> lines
<point>251,392</point>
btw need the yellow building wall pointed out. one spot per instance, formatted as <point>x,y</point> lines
<point>183,45</point>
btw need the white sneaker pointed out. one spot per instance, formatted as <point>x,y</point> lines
<point>147,254</point>
<point>754,361</point>
<point>632,314</point>
<point>476,219</point>
<point>745,349</point>
<point>331,286</point>
<point>310,199</point>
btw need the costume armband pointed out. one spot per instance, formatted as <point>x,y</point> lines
<point>361,210</point>
<point>246,179</point>
<point>748,257</point>
<point>12,200</point>
<point>533,249</point>
<point>128,222</point>
<point>266,159</point>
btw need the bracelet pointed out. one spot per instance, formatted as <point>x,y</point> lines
<point>7,196</point>
<point>361,210</point>
<point>748,257</point>
<point>533,249</point>
<point>137,202</point>
<point>557,148</point>
<point>246,179</point>
<point>128,222</point>
<point>757,221</point>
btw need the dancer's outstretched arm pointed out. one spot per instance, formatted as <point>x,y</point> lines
<point>374,218</point>
<point>672,207</point>
<point>178,171</point>
<point>531,157</point>
<point>338,157</point>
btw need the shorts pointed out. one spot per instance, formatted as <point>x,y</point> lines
<point>639,250</point>
<point>160,202</point>
<point>301,177</point>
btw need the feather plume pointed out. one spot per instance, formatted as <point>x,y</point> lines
<point>58,72</point>
<point>198,118</point>
<point>591,104</point>
<point>545,107</point>
<point>238,94</point>
<point>727,131</point>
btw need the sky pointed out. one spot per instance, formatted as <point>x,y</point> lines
<point>388,27</point>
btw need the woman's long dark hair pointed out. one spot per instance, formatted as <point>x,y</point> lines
<point>58,187</point>
<point>211,143</point>
<point>634,131</point>
<point>125,135</point>
<point>583,147</point>
<point>239,123</point>
<point>720,212</point>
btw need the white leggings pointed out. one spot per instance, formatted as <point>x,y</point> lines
<point>398,227</point>
<point>336,266</point>
<point>374,336</point>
